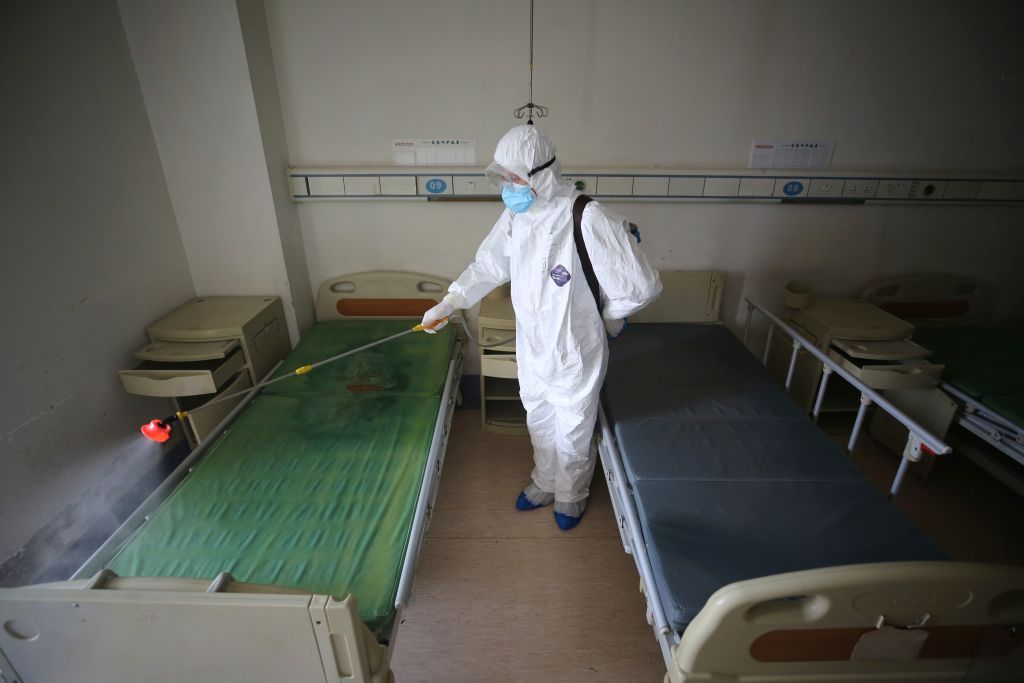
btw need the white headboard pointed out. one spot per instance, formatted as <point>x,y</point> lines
<point>686,297</point>
<point>930,300</point>
<point>379,294</point>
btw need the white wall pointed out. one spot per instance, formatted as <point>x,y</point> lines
<point>253,23</point>
<point>89,255</point>
<point>897,86</point>
<point>191,62</point>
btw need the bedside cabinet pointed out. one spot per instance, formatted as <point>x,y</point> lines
<point>501,411</point>
<point>209,347</point>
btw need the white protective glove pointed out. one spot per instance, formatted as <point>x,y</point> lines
<point>438,312</point>
<point>615,327</point>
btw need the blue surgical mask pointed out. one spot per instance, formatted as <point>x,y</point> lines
<point>517,198</point>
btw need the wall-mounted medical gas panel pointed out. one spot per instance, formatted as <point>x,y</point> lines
<point>769,185</point>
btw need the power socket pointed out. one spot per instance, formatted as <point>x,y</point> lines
<point>826,187</point>
<point>860,189</point>
<point>893,189</point>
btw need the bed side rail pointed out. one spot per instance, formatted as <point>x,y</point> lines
<point>902,621</point>
<point>431,477</point>
<point>628,520</point>
<point>919,439</point>
<point>987,424</point>
<point>109,629</point>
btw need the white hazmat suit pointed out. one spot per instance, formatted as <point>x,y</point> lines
<point>561,344</point>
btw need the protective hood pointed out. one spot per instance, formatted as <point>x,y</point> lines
<point>525,148</point>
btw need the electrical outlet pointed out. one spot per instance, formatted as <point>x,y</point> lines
<point>826,187</point>
<point>859,189</point>
<point>893,189</point>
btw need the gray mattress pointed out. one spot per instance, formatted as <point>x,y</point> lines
<point>732,481</point>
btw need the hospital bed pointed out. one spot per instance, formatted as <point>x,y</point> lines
<point>285,547</point>
<point>984,363</point>
<point>763,554</point>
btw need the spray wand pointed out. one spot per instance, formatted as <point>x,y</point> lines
<point>159,430</point>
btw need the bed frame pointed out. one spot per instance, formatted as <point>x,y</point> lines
<point>952,301</point>
<point>930,300</point>
<point>98,627</point>
<point>906,621</point>
<point>912,622</point>
<point>919,439</point>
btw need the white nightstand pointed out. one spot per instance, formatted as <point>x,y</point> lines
<point>207,348</point>
<point>501,410</point>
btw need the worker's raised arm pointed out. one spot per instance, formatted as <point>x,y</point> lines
<point>628,282</point>
<point>490,269</point>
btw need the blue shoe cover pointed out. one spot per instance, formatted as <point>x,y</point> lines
<point>532,497</point>
<point>566,522</point>
<point>523,503</point>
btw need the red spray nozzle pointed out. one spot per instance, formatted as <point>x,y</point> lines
<point>159,430</point>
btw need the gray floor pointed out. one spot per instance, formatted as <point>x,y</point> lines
<point>503,595</point>
<point>970,515</point>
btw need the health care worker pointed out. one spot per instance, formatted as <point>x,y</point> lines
<point>561,340</point>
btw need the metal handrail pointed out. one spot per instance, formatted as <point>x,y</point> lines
<point>403,596</point>
<point>917,436</point>
<point>635,532</point>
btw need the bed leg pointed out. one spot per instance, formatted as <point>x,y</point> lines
<point>904,463</point>
<point>792,364</point>
<point>864,403</point>
<point>826,372</point>
<point>768,344</point>
<point>911,453</point>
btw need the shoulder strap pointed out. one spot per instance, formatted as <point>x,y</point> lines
<point>581,248</point>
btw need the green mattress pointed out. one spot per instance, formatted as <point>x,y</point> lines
<point>983,362</point>
<point>314,485</point>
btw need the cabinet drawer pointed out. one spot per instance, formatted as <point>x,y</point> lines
<point>152,378</point>
<point>891,375</point>
<point>204,421</point>
<point>886,350</point>
<point>491,335</point>
<point>499,366</point>
<point>186,352</point>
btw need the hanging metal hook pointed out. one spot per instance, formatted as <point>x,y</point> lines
<point>530,109</point>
